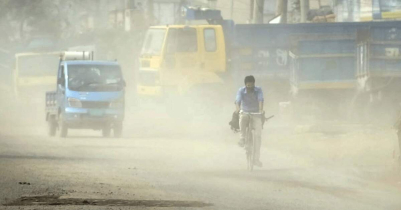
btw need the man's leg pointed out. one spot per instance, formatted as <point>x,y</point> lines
<point>243,123</point>
<point>257,123</point>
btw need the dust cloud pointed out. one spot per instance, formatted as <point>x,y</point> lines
<point>322,142</point>
<point>332,132</point>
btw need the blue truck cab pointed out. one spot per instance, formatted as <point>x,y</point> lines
<point>90,95</point>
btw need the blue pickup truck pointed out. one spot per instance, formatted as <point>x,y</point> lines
<point>90,95</point>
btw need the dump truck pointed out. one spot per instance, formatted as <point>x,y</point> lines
<point>311,65</point>
<point>379,71</point>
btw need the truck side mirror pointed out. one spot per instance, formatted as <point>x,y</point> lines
<point>61,81</point>
<point>61,87</point>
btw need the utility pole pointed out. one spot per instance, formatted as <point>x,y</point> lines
<point>252,5</point>
<point>350,11</point>
<point>358,7</point>
<point>278,7</point>
<point>258,11</point>
<point>232,9</point>
<point>281,9</point>
<point>304,4</point>
<point>150,11</point>
<point>284,11</point>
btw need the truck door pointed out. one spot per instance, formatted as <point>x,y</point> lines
<point>213,49</point>
<point>181,54</point>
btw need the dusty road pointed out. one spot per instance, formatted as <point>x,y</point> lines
<point>175,164</point>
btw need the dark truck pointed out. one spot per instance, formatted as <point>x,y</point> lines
<point>90,95</point>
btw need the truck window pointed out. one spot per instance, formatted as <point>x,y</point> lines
<point>210,39</point>
<point>153,43</point>
<point>94,78</point>
<point>182,40</point>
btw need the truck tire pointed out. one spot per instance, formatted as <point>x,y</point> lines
<point>52,128</point>
<point>106,131</point>
<point>63,127</point>
<point>118,130</point>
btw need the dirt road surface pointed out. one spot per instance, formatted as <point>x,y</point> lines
<point>165,163</point>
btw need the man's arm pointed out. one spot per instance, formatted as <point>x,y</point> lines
<point>237,107</point>
<point>261,100</point>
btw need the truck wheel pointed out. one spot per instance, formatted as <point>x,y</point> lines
<point>106,131</point>
<point>52,128</point>
<point>63,128</point>
<point>118,130</point>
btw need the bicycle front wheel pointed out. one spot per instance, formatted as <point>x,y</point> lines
<point>250,150</point>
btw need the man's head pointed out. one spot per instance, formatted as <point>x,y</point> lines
<point>249,82</point>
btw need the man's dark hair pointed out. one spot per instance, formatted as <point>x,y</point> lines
<point>249,78</point>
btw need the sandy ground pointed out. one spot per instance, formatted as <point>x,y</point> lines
<point>162,162</point>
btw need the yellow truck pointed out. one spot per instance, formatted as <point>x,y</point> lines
<point>176,58</point>
<point>204,64</point>
<point>36,73</point>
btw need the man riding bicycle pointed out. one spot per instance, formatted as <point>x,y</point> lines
<point>250,100</point>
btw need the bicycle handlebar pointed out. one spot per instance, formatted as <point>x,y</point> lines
<point>268,118</point>
<point>257,113</point>
<point>251,113</point>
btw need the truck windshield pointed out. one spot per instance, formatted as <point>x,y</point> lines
<point>37,66</point>
<point>153,42</point>
<point>95,78</point>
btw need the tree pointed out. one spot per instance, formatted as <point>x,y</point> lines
<point>22,19</point>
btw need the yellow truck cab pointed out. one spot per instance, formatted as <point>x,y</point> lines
<point>34,73</point>
<point>177,57</point>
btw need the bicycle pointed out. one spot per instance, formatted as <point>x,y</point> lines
<point>249,139</point>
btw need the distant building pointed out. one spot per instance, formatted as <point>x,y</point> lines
<point>167,11</point>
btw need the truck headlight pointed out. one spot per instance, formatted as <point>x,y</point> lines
<point>117,103</point>
<point>73,102</point>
